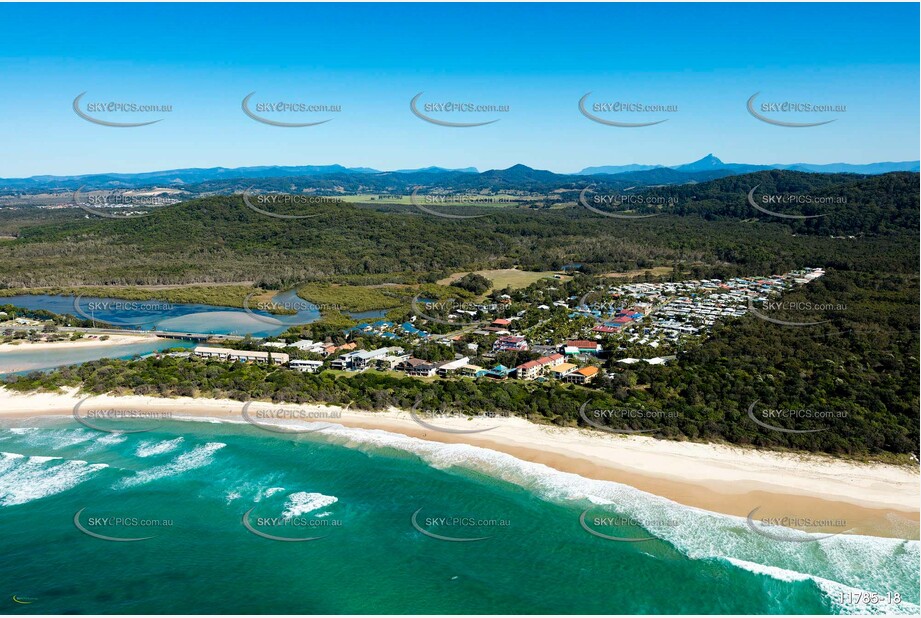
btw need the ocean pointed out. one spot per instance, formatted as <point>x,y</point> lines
<point>218,517</point>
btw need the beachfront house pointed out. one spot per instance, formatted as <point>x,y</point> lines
<point>306,366</point>
<point>449,367</point>
<point>582,376</point>
<point>245,356</point>
<point>562,370</point>
<point>532,370</point>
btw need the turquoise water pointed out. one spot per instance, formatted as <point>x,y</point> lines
<point>358,490</point>
<point>183,317</point>
<point>177,317</point>
<point>24,359</point>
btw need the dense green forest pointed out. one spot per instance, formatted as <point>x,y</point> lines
<point>218,239</point>
<point>861,363</point>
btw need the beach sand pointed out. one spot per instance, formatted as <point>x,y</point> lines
<point>80,343</point>
<point>872,498</point>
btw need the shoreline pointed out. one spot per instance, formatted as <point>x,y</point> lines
<point>874,499</point>
<point>85,342</point>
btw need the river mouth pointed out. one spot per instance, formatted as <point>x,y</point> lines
<point>159,315</point>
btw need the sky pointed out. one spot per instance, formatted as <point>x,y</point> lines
<point>704,61</point>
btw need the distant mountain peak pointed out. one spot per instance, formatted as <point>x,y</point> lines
<point>710,160</point>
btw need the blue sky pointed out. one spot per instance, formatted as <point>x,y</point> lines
<point>538,59</point>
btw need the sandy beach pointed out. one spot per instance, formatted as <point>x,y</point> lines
<point>86,342</point>
<point>873,498</point>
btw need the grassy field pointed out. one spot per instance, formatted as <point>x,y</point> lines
<point>655,271</point>
<point>507,277</point>
<point>351,297</point>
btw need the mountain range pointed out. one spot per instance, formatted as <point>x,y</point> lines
<point>712,163</point>
<point>708,168</point>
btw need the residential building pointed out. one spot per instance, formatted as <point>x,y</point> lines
<point>536,368</point>
<point>562,370</point>
<point>452,366</point>
<point>582,376</point>
<point>306,366</point>
<point>471,371</point>
<point>499,372</point>
<point>246,356</point>
<point>513,343</point>
<point>582,346</point>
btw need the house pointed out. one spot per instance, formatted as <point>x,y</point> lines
<point>332,349</point>
<point>536,368</point>
<point>306,366</point>
<point>362,359</point>
<point>513,343</point>
<point>499,372</point>
<point>390,361</point>
<point>528,370</point>
<point>411,330</point>
<point>582,376</point>
<point>344,362</point>
<point>451,366</point>
<point>417,367</point>
<point>501,323</point>
<point>275,344</point>
<point>562,370</point>
<point>308,345</point>
<point>471,371</point>
<point>581,346</point>
<point>246,356</point>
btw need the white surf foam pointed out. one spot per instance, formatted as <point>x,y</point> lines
<point>198,457</point>
<point>863,562</point>
<point>150,448</point>
<point>302,502</point>
<point>54,439</point>
<point>24,479</point>
<point>845,599</point>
